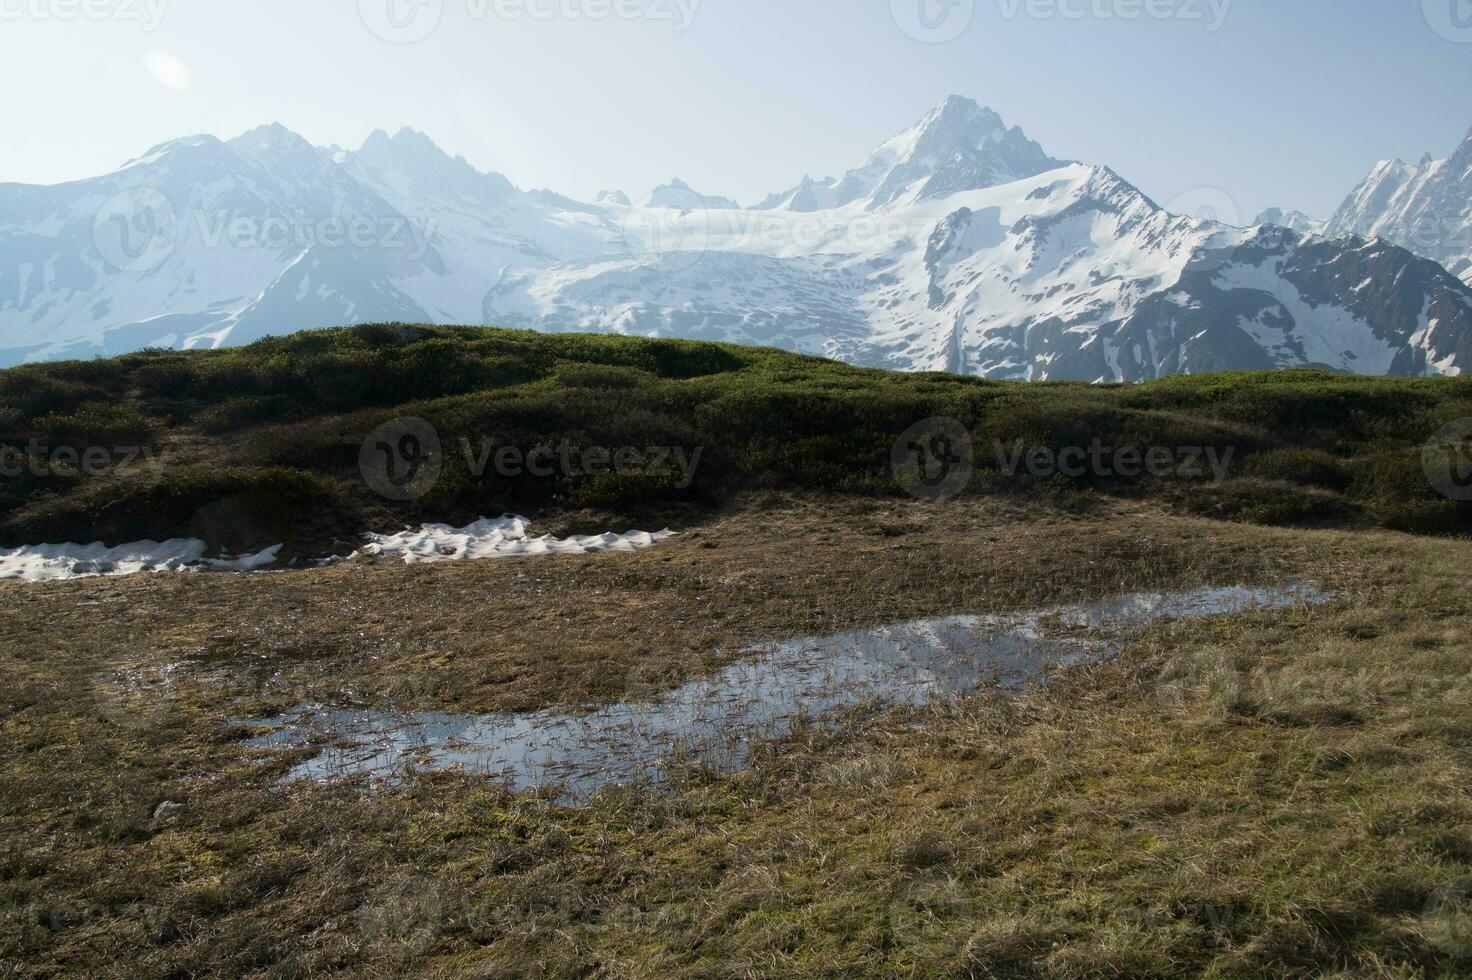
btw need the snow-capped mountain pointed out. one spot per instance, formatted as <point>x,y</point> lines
<point>959,145</point>
<point>1294,220</point>
<point>958,245</point>
<point>678,194</point>
<point>1426,208</point>
<point>1072,273</point>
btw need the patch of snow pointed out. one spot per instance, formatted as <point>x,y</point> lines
<point>55,562</point>
<point>503,537</point>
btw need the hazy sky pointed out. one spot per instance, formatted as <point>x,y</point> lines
<point>1275,102</point>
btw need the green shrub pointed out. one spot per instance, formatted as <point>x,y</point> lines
<point>31,391</point>
<point>1263,502</point>
<point>1293,464</point>
<point>235,414</point>
<point>109,424</point>
<point>232,507</point>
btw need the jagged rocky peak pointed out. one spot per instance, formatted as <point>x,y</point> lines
<point>405,141</point>
<point>411,158</point>
<point>1289,218</point>
<point>408,151</point>
<point>272,139</point>
<point>959,145</point>
<point>1427,208</point>
<point>678,194</point>
<point>956,124</point>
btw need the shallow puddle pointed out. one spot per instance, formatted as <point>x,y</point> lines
<point>773,688</point>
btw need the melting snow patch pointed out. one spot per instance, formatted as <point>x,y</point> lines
<point>498,538</point>
<point>53,562</point>
<point>487,538</point>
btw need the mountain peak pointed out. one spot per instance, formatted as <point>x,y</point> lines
<point>959,145</point>
<point>271,138</point>
<point>200,142</point>
<point>411,159</point>
<point>406,139</point>
<point>958,110</point>
<point>1289,218</point>
<point>678,194</point>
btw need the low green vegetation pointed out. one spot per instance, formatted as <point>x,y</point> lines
<point>276,427</point>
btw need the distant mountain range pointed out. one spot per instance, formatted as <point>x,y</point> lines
<point>958,245</point>
<point>1426,208</point>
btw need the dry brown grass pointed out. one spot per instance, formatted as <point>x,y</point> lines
<point>1272,794</point>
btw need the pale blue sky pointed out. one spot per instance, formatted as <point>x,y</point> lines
<point>1288,102</point>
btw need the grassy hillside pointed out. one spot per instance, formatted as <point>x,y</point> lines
<point>1273,793</point>
<point>260,444</point>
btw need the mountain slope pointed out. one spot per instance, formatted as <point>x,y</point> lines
<point>1426,208</point>
<point>1069,274</point>
<point>958,245</point>
<point>199,241</point>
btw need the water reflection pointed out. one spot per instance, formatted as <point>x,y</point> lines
<point>774,687</point>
